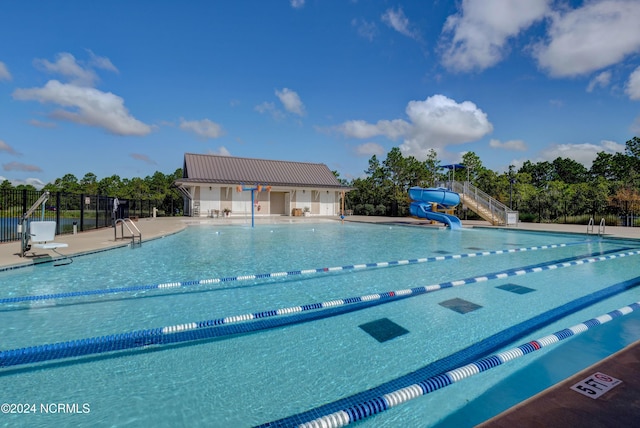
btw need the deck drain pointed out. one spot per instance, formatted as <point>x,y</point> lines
<point>460,305</point>
<point>515,288</point>
<point>383,329</point>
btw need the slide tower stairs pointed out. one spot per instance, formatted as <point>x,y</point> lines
<point>490,209</point>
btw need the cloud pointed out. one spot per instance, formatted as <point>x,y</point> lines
<point>392,129</point>
<point>291,101</point>
<point>4,147</point>
<point>67,66</point>
<point>143,158</point>
<point>17,166</point>
<point>598,34</point>
<point>583,153</point>
<point>632,88</point>
<point>4,72</point>
<point>476,37</point>
<point>40,124</point>
<point>222,151</point>
<point>203,128</point>
<point>366,30</point>
<point>602,79</point>
<point>517,145</point>
<point>369,149</point>
<point>438,122</point>
<point>101,62</point>
<point>86,106</point>
<point>397,20</point>
<point>297,4</point>
<point>434,123</point>
<point>270,108</point>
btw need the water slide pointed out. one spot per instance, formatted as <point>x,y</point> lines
<point>423,200</point>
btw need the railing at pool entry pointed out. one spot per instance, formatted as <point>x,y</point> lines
<point>290,273</point>
<point>600,226</point>
<point>134,232</point>
<point>232,325</point>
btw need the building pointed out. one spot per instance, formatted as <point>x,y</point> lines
<point>215,185</point>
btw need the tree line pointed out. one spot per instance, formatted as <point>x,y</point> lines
<point>157,188</point>
<point>562,190</point>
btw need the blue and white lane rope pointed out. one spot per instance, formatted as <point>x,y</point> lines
<point>390,295</point>
<point>380,404</point>
<point>172,285</point>
<point>198,330</point>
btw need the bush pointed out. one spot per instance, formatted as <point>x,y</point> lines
<point>369,209</point>
<point>381,210</point>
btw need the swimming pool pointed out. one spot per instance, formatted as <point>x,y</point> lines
<point>269,323</point>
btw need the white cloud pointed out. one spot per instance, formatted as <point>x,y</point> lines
<point>203,128</point>
<point>79,73</point>
<point>4,147</point>
<point>291,101</point>
<point>101,62</point>
<point>434,123</point>
<point>366,30</point>
<point>583,153</point>
<point>222,151</point>
<point>438,122</point>
<point>598,34</point>
<point>517,145</point>
<point>67,66</point>
<point>632,87</point>
<point>297,4</point>
<point>86,106</point>
<point>397,20</point>
<point>4,72</point>
<point>369,149</point>
<point>476,37</point>
<point>602,79</point>
<point>392,129</point>
<point>271,109</point>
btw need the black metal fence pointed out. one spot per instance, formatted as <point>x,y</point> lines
<point>86,212</point>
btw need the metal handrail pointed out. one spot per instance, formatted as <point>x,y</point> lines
<point>499,212</point>
<point>126,222</point>
<point>590,226</point>
<point>601,227</point>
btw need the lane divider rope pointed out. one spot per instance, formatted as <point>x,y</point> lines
<point>180,284</point>
<point>385,402</point>
<point>202,329</point>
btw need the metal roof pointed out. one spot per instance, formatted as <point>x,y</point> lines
<point>200,168</point>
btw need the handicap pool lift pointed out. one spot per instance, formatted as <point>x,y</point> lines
<point>39,234</point>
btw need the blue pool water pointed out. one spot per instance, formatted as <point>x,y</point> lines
<point>315,356</point>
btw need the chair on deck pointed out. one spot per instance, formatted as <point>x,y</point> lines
<point>42,234</point>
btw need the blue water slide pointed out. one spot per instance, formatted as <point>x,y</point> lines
<point>423,198</point>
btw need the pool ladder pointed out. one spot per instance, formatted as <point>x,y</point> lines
<point>600,226</point>
<point>134,233</point>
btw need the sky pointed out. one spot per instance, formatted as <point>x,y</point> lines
<point>127,87</point>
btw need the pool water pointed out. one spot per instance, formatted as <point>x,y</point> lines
<point>266,374</point>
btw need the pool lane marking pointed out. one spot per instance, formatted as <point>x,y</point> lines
<point>395,294</point>
<point>384,402</point>
<point>202,329</point>
<point>181,284</point>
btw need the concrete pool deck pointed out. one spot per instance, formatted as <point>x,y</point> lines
<point>556,406</point>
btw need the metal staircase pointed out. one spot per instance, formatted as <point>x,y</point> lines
<point>490,209</point>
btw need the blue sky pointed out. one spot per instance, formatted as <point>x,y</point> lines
<point>127,87</point>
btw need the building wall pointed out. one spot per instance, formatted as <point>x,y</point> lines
<point>280,201</point>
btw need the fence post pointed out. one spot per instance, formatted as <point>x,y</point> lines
<point>58,213</point>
